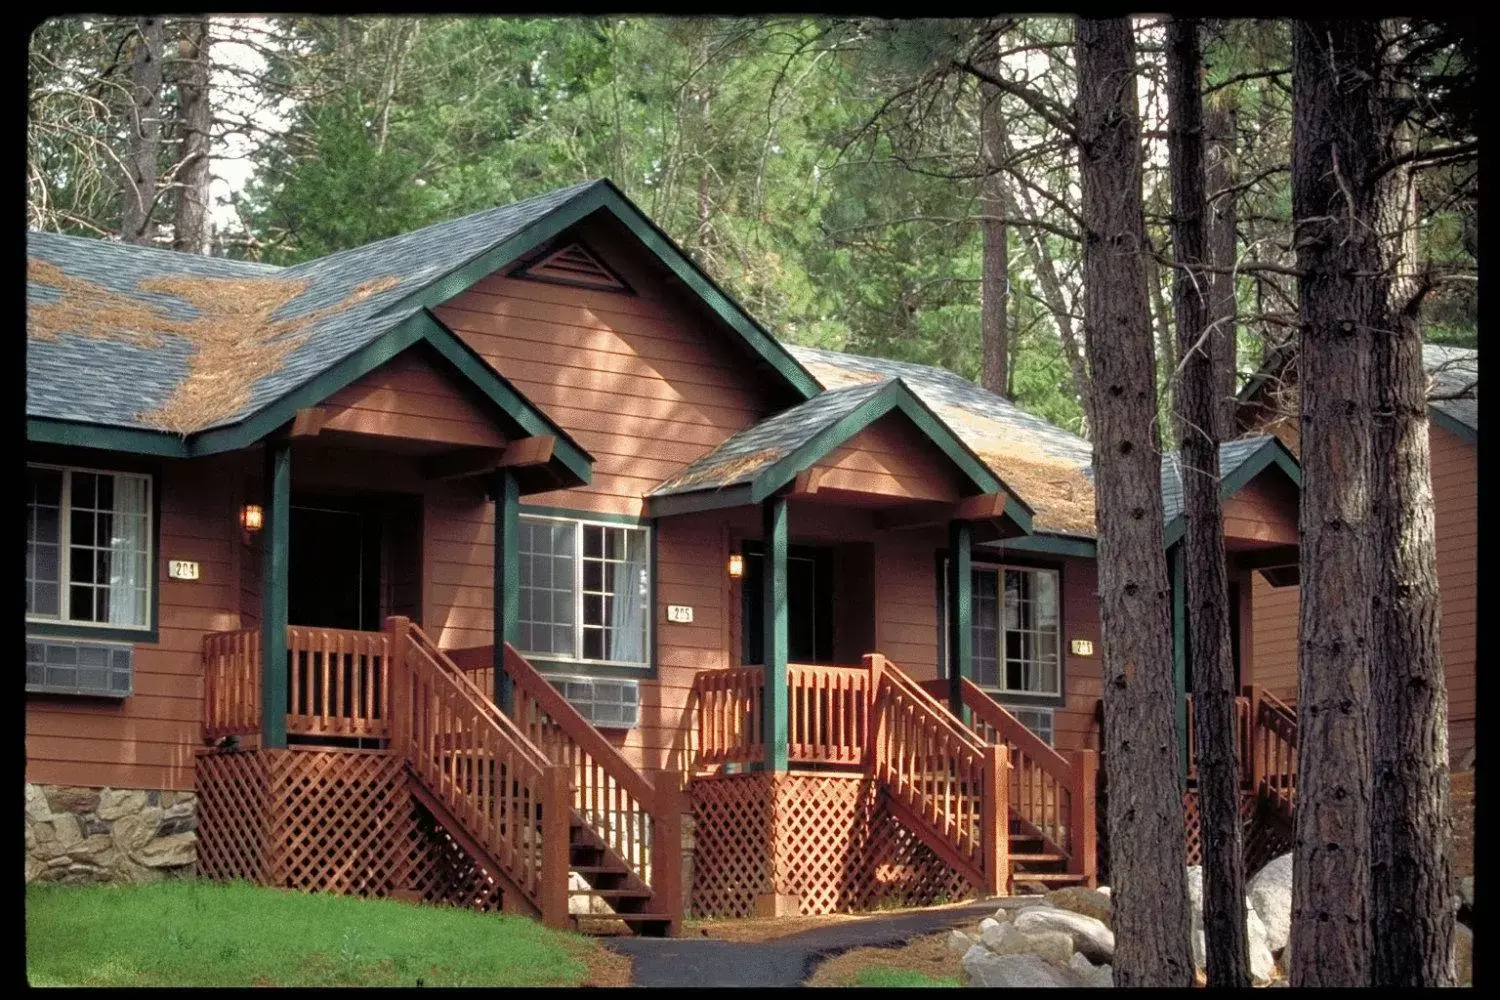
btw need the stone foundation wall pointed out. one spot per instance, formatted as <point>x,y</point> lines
<point>109,834</point>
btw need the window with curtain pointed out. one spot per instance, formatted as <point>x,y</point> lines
<point>1016,630</point>
<point>585,591</point>
<point>88,547</point>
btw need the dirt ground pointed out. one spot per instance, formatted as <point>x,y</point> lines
<point>772,928</point>
<point>928,955</point>
<point>606,968</point>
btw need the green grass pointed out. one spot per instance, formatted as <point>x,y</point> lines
<point>898,977</point>
<point>194,933</point>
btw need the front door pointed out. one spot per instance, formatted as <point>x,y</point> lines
<point>809,619</point>
<point>334,576</point>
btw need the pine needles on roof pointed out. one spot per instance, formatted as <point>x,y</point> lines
<point>723,472</point>
<point>234,339</point>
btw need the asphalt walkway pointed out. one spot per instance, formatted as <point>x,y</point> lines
<point>705,962</point>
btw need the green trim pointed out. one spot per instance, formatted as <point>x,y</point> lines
<point>420,327</point>
<point>59,630</point>
<point>604,196</point>
<point>674,504</point>
<point>506,566</point>
<point>960,594</point>
<point>1053,545</point>
<point>274,573</point>
<point>1176,570</point>
<point>1270,453</point>
<point>1451,423</point>
<point>542,510</point>
<point>774,641</point>
<point>44,430</point>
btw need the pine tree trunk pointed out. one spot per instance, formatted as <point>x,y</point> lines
<point>994,271</point>
<point>1227,960</point>
<point>1219,126</point>
<point>1412,929</point>
<point>1147,850</point>
<point>1335,146</point>
<point>138,193</point>
<point>190,224</point>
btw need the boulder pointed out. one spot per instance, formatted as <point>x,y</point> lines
<point>994,921</point>
<point>1052,946</point>
<point>1004,939</point>
<point>959,942</point>
<point>1103,890</point>
<point>1089,902</point>
<point>1463,955</point>
<point>1090,936</point>
<point>1270,893</point>
<point>1262,963</point>
<point>984,968</point>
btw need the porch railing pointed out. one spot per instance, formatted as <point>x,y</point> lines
<point>1244,729</point>
<point>338,683</point>
<point>827,714</point>
<point>1265,745</point>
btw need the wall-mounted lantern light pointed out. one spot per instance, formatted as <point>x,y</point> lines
<point>252,519</point>
<point>736,565</point>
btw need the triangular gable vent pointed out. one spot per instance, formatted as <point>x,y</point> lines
<point>574,265</point>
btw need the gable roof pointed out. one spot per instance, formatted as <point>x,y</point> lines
<point>762,458</point>
<point>1052,468</point>
<point>1452,389</point>
<point>171,329</point>
<point>1240,461</point>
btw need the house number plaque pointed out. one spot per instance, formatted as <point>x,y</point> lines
<point>679,613</point>
<point>182,569</point>
<point>1083,647</point>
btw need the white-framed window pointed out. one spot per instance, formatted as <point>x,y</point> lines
<point>89,560</point>
<point>1016,627</point>
<point>585,591</point>
<point>1038,720</point>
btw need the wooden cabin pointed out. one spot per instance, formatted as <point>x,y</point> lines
<point>510,563</point>
<point>1268,404</point>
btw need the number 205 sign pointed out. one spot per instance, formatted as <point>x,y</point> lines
<point>679,613</point>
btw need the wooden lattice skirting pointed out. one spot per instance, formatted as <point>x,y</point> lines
<point>340,821</point>
<point>1264,833</point>
<point>829,840</point>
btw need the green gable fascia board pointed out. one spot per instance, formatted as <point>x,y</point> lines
<point>135,441</point>
<point>895,396</point>
<point>1056,545</point>
<point>691,503</point>
<point>606,197</point>
<point>1466,433</point>
<point>1272,453</point>
<point>569,513</point>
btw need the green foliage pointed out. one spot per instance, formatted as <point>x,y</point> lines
<point>194,933</point>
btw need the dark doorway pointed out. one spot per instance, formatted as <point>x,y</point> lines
<point>809,582</point>
<point>334,573</point>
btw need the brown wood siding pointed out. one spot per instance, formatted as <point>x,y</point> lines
<point>148,739</point>
<point>1455,499</point>
<point>1264,511</point>
<point>643,382</point>
<point>408,397</point>
<point>891,457</point>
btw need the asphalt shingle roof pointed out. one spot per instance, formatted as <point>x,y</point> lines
<point>1232,455</point>
<point>751,451</point>
<point>1454,372</point>
<point>105,381</point>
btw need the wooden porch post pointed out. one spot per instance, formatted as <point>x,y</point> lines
<point>995,820</point>
<point>273,593</point>
<point>1180,652</point>
<point>507,583</point>
<point>774,636</point>
<point>1083,832</point>
<point>960,612</point>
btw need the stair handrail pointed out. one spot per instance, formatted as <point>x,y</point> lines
<point>645,847</point>
<point>505,794</point>
<point>972,834</point>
